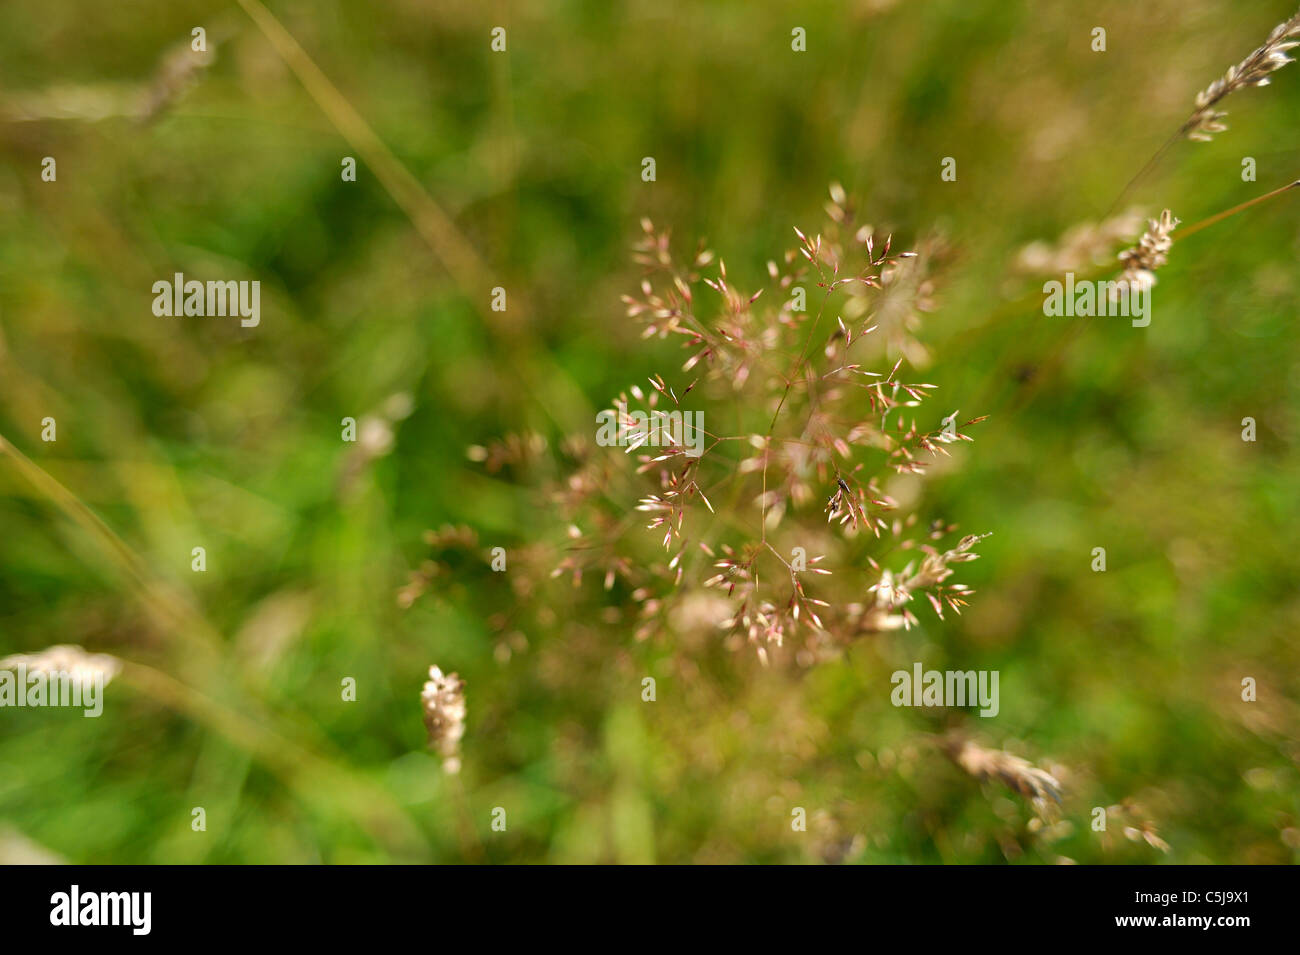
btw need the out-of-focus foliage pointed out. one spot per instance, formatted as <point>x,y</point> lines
<point>194,432</point>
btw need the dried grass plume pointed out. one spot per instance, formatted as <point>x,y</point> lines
<point>1151,252</point>
<point>1254,70</point>
<point>443,698</point>
<point>64,658</point>
<point>1020,775</point>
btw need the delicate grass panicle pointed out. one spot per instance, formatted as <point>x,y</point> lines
<point>786,533</point>
<point>823,423</point>
<point>1254,70</point>
<point>794,527</point>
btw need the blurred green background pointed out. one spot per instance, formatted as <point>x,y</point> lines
<point>195,432</point>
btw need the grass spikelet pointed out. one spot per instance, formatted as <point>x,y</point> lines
<point>443,698</point>
<point>1152,251</point>
<point>1254,70</point>
<point>1019,775</point>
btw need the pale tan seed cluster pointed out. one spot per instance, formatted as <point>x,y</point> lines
<point>180,70</point>
<point>1083,247</point>
<point>1036,785</point>
<point>443,698</point>
<point>1254,70</point>
<point>74,661</point>
<point>893,591</point>
<point>1151,252</point>
<point>811,415</point>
